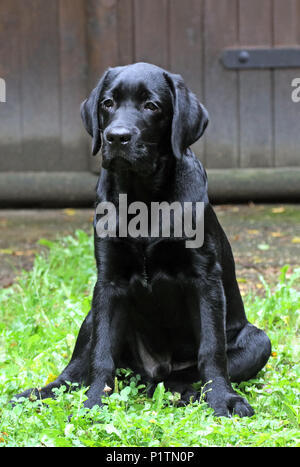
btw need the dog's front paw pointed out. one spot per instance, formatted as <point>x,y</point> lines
<point>31,394</point>
<point>94,396</point>
<point>230,404</point>
<point>92,401</point>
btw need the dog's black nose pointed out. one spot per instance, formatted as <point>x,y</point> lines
<point>118,135</point>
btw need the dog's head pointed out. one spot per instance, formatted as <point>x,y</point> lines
<point>138,113</point>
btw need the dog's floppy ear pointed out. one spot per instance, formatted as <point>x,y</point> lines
<point>190,118</point>
<point>90,114</point>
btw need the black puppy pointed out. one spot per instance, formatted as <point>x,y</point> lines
<point>171,313</point>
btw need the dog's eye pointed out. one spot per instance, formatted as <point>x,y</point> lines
<point>151,106</point>
<point>108,103</point>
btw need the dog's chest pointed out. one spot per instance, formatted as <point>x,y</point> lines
<point>155,283</point>
<point>165,262</point>
<point>161,288</point>
<point>157,275</point>
<point>161,312</point>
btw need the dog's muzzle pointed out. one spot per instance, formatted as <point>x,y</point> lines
<point>118,137</point>
<point>120,147</point>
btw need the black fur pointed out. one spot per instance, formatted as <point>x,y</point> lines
<point>170,313</point>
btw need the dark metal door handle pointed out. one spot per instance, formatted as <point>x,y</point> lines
<point>261,58</point>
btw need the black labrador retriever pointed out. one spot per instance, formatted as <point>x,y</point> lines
<point>170,313</point>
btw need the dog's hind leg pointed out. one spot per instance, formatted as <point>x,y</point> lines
<point>77,369</point>
<point>248,348</point>
<point>247,353</point>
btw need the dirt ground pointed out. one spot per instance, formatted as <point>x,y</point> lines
<point>263,238</point>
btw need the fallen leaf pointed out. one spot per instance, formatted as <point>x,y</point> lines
<point>274,354</point>
<point>6,251</point>
<point>69,212</point>
<point>296,240</point>
<point>19,253</point>
<point>276,234</point>
<point>278,210</point>
<point>24,252</point>
<point>253,231</point>
<point>257,260</point>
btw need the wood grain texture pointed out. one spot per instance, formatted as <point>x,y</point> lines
<point>11,110</point>
<point>255,87</point>
<point>102,51</point>
<point>125,18</point>
<point>40,85</point>
<point>221,85</point>
<point>73,83</point>
<point>186,50</point>
<point>286,112</point>
<point>102,38</point>
<point>53,53</point>
<point>151,24</point>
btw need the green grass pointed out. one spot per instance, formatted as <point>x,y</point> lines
<point>40,318</point>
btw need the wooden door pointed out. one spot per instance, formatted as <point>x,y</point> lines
<point>253,118</point>
<point>43,62</point>
<point>53,52</point>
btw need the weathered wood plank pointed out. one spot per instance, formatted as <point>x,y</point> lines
<point>73,83</point>
<point>286,112</point>
<point>151,31</point>
<point>221,96</point>
<point>186,49</point>
<point>40,85</point>
<point>125,20</point>
<point>103,52</point>
<point>255,87</point>
<point>254,184</point>
<point>102,37</point>
<point>78,188</point>
<point>10,111</point>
